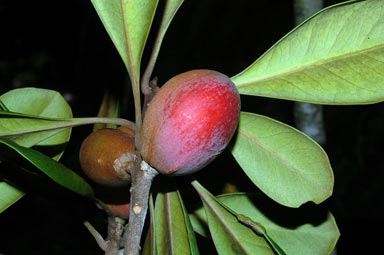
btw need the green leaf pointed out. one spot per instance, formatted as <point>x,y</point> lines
<point>283,162</point>
<point>300,231</point>
<point>228,234</point>
<point>38,102</point>
<point>309,230</point>
<point>9,195</point>
<point>17,124</point>
<point>138,16</point>
<point>149,247</point>
<point>334,57</point>
<point>174,232</point>
<point>111,15</point>
<point>198,221</point>
<point>259,229</point>
<point>171,7</point>
<point>42,102</point>
<point>53,169</point>
<point>128,23</point>
<point>3,107</point>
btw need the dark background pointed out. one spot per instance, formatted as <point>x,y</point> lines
<point>62,45</point>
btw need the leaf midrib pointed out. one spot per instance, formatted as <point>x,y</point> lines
<point>318,63</point>
<point>169,218</point>
<point>226,226</point>
<point>277,156</point>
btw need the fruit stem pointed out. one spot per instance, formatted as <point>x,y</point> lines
<point>148,97</point>
<point>141,185</point>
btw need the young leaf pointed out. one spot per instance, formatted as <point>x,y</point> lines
<point>8,195</point>
<point>39,102</point>
<point>283,162</point>
<point>53,169</point>
<point>334,57</point>
<point>174,233</point>
<point>108,108</point>
<point>229,235</point>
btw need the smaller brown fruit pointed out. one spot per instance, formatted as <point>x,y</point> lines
<point>120,210</point>
<point>107,156</point>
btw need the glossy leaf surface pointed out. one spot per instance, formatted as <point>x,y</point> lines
<point>37,102</point>
<point>138,16</point>
<point>53,169</point>
<point>111,15</point>
<point>8,195</point>
<point>283,162</point>
<point>334,57</point>
<point>128,23</point>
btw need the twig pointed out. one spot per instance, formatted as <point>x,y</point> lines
<point>115,233</point>
<point>99,239</point>
<point>147,98</point>
<point>141,185</point>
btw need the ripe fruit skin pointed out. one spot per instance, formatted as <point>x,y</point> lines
<point>190,121</point>
<point>99,153</point>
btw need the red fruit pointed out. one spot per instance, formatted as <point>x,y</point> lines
<point>101,157</point>
<point>190,121</point>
